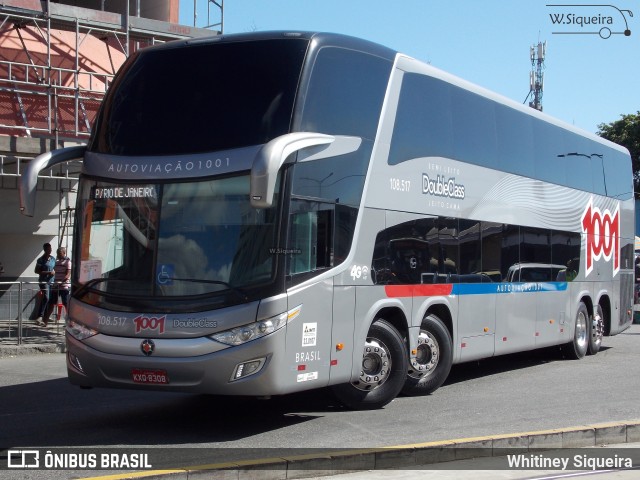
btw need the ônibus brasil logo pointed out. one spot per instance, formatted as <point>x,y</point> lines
<point>603,236</point>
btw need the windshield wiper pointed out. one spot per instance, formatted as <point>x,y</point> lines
<point>88,285</point>
<point>235,290</point>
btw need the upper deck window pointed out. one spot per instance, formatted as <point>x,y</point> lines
<point>201,98</point>
<point>346,92</point>
<point>439,119</point>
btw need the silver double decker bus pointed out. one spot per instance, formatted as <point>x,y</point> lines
<point>265,213</point>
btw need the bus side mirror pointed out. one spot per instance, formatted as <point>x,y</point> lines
<point>29,177</point>
<point>274,154</point>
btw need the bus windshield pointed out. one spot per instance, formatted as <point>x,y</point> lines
<point>209,97</point>
<point>174,239</point>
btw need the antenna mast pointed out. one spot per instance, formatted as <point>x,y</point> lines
<point>536,77</point>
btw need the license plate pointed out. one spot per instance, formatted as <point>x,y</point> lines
<point>149,377</point>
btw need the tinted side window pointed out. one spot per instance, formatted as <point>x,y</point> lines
<point>448,250</point>
<point>345,93</point>
<point>310,246</point>
<point>415,252</point>
<point>491,234</point>
<point>423,125</point>
<point>619,179</point>
<point>597,167</point>
<point>515,141</point>
<point>437,119</point>
<point>474,128</point>
<point>510,251</point>
<point>320,236</point>
<point>325,195</point>
<point>565,250</point>
<point>337,179</point>
<point>580,165</point>
<point>549,144</point>
<point>535,255</point>
<point>470,247</point>
<point>535,245</point>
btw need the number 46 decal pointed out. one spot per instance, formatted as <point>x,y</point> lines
<point>359,272</point>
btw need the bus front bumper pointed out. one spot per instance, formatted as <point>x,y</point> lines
<point>249,369</point>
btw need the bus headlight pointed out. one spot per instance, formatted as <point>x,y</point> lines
<point>79,331</point>
<point>252,331</point>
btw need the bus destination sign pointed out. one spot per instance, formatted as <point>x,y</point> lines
<point>129,191</point>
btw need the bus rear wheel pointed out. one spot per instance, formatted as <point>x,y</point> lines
<point>577,348</point>
<point>432,363</point>
<point>382,373</point>
<point>596,331</point>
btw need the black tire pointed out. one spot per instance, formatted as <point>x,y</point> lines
<point>432,364</point>
<point>383,370</point>
<point>596,331</point>
<point>577,348</point>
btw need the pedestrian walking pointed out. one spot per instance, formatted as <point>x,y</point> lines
<point>61,284</point>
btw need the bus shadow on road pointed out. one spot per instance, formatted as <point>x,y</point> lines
<point>75,417</point>
<point>507,363</point>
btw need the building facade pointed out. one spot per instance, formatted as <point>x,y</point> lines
<point>57,60</point>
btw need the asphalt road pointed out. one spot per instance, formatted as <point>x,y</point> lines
<point>511,394</point>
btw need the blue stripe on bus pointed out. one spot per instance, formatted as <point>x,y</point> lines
<point>505,287</point>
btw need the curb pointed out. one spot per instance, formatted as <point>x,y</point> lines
<point>400,456</point>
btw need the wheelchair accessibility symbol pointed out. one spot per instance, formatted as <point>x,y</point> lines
<point>165,274</point>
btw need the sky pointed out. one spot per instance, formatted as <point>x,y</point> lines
<point>591,68</point>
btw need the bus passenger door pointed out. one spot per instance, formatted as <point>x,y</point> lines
<point>310,251</point>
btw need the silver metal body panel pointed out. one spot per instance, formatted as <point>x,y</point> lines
<point>174,325</point>
<point>209,373</point>
<point>322,343</point>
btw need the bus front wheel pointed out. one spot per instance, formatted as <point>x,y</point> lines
<point>382,373</point>
<point>432,363</point>
<point>577,348</point>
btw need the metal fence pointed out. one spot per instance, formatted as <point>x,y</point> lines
<point>18,301</point>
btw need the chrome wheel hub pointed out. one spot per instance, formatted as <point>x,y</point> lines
<point>581,330</point>
<point>376,363</point>
<point>427,357</point>
<point>597,329</point>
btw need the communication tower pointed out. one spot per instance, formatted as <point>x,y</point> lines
<point>536,77</point>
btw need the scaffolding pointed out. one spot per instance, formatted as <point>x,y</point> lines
<point>219,4</point>
<point>51,84</point>
<point>59,101</point>
<point>61,178</point>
